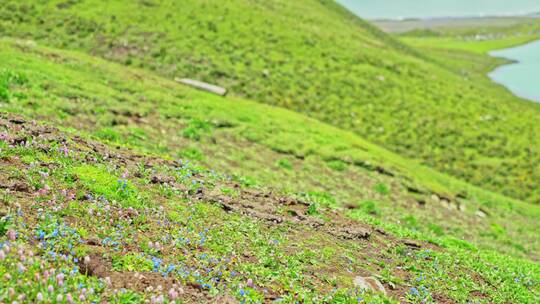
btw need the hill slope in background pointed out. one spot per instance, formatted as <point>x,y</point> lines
<point>316,58</point>
<point>302,209</point>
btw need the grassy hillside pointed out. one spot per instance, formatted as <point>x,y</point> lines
<point>296,209</point>
<point>315,58</point>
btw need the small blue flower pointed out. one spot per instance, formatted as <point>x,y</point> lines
<point>170,268</point>
<point>157,262</point>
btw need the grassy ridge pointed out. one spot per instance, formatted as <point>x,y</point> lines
<point>331,66</point>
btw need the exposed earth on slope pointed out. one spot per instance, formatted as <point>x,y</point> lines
<point>276,211</point>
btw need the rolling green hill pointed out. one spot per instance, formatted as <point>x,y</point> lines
<point>341,153</point>
<point>315,58</point>
<point>297,208</point>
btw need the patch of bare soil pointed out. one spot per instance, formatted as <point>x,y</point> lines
<point>98,266</point>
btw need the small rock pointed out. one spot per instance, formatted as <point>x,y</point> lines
<point>354,233</point>
<point>369,284</point>
<point>446,205</point>
<point>203,86</point>
<point>480,214</point>
<point>159,179</point>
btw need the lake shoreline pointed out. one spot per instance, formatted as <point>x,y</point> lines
<point>507,61</point>
<point>456,18</point>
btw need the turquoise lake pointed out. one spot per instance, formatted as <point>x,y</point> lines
<point>398,9</point>
<point>522,77</point>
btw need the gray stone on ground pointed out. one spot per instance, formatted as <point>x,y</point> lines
<point>203,86</point>
<point>481,214</point>
<point>369,284</point>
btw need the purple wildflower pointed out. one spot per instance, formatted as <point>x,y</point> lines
<point>12,235</point>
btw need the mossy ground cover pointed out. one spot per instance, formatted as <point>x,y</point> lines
<point>330,65</point>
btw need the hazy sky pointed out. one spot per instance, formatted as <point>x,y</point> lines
<point>372,9</point>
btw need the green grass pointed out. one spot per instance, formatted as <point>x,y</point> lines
<point>292,259</point>
<point>200,241</point>
<point>333,67</point>
<point>258,142</point>
<point>7,80</point>
<point>128,191</point>
<point>101,182</point>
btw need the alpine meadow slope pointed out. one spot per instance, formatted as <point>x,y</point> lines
<point>314,57</point>
<point>297,210</point>
<point>119,184</point>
